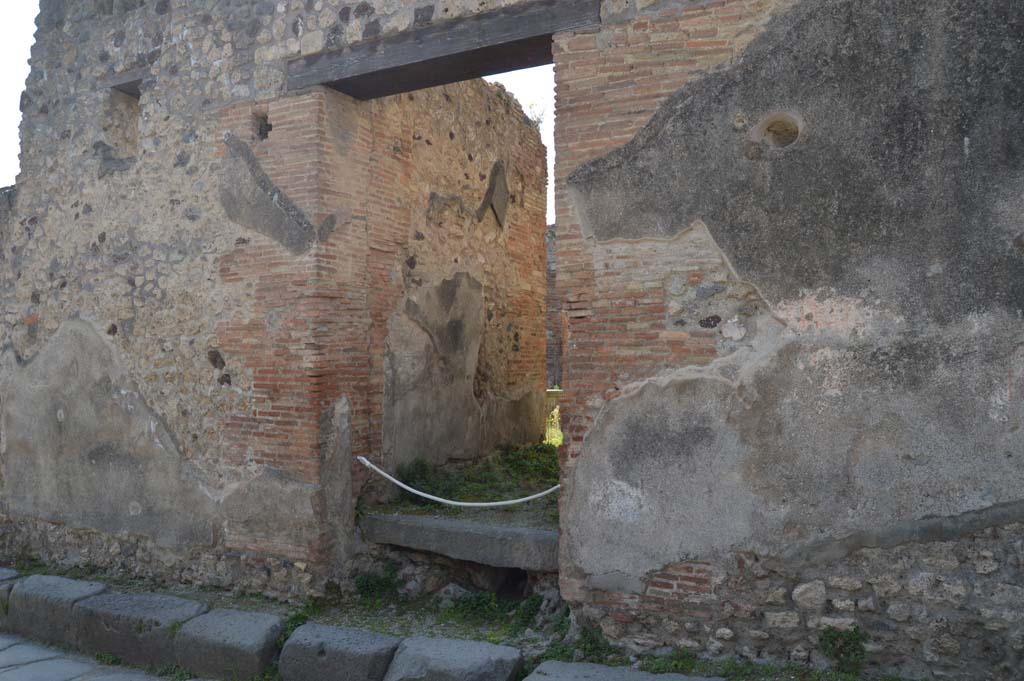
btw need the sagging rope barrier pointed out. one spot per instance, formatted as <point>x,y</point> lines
<point>449,502</point>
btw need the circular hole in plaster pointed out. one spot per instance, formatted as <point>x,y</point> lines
<point>779,130</point>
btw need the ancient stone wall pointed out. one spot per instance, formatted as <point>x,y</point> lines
<point>208,290</point>
<point>794,329</point>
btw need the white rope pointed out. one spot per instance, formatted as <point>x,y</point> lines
<point>448,502</point>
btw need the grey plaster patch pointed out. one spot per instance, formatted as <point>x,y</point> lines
<point>251,199</point>
<point>271,505</point>
<point>495,545</point>
<point>563,671</point>
<point>40,606</point>
<point>320,653</point>
<point>436,659</point>
<point>137,628</point>
<point>228,644</point>
<point>80,446</point>
<point>48,670</point>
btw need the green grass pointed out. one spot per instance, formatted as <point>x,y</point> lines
<point>511,472</point>
<point>506,619</point>
<point>380,586</point>
<point>108,659</point>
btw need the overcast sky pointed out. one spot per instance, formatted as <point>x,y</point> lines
<point>16,33</point>
<point>535,89</point>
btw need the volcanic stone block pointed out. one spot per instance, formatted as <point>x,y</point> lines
<point>40,606</point>
<point>318,653</point>
<point>7,574</point>
<point>562,671</point>
<point>526,548</point>
<point>138,628</point>
<point>437,659</point>
<point>228,644</point>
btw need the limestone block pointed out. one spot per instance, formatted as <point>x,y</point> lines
<point>434,659</point>
<point>40,606</point>
<point>228,644</point>
<point>810,596</point>
<point>320,653</point>
<point>137,628</point>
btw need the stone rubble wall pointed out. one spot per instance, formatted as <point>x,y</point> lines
<point>205,291</point>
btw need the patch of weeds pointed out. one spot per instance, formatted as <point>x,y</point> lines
<point>591,646</point>
<point>378,587</point>
<point>108,659</point>
<point>526,613</point>
<point>511,472</point>
<point>477,609</point>
<point>313,607</point>
<point>845,648</point>
<point>174,673</point>
<point>272,674</point>
<point>679,662</point>
<point>28,564</point>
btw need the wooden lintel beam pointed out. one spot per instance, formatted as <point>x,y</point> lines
<point>510,38</point>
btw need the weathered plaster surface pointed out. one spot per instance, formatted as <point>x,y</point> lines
<point>867,306</point>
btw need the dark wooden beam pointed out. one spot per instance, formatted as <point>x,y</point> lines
<point>506,39</point>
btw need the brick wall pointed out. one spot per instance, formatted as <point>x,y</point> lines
<point>318,329</point>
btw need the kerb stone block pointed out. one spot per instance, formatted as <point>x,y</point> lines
<point>320,653</point>
<point>40,606</point>
<point>435,659</point>
<point>228,644</point>
<point>137,628</point>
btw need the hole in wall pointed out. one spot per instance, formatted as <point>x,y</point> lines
<point>779,130</point>
<point>121,122</point>
<point>263,126</point>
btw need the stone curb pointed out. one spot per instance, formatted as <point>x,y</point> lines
<point>152,630</point>
<point>319,653</point>
<point>137,628</point>
<point>228,644</point>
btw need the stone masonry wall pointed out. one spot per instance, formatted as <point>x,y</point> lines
<point>200,287</point>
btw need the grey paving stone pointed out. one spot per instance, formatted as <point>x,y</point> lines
<point>137,628</point>
<point>228,644</point>
<point>40,606</point>
<point>24,653</point>
<point>8,640</point>
<point>58,669</point>
<point>563,671</point>
<point>526,548</point>
<point>6,574</point>
<point>319,653</point>
<point>438,659</point>
<point>5,597</point>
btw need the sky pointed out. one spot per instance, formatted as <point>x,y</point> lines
<point>16,35</point>
<point>534,88</point>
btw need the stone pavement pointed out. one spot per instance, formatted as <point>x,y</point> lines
<point>22,660</point>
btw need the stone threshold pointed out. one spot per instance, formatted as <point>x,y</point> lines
<point>500,546</point>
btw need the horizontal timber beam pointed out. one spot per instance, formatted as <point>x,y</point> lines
<point>507,39</point>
